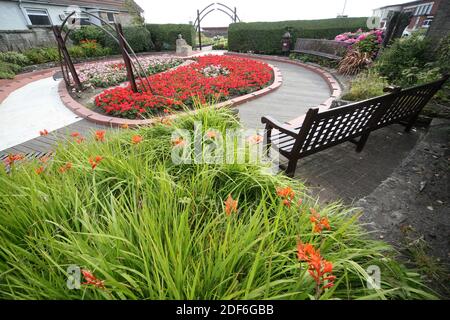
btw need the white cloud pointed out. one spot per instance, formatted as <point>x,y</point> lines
<point>183,11</point>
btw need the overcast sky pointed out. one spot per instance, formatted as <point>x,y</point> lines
<point>183,11</point>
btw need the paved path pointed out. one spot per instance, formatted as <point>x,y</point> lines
<point>30,109</point>
<point>301,89</point>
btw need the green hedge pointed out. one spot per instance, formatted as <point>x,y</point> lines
<point>165,35</point>
<point>138,37</point>
<point>265,37</point>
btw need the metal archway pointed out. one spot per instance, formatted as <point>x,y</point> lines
<point>232,13</point>
<point>125,48</point>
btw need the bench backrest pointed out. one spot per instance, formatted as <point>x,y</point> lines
<point>328,47</point>
<point>325,129</point>
<point>409,102</point>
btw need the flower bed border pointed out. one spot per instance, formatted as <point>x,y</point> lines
<point>333,84</point>
<point>102,119</point>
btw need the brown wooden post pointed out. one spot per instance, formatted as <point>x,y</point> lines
<point>66,56</point>
<point>126,58</point>
<point>199,31</point>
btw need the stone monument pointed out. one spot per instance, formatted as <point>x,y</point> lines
<point>183,49</point>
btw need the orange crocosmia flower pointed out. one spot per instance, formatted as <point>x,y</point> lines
<point>136,139</point>
<point>230,205</point>
<point>255,139</point>
<point>100,135</point>
<point>65,167</point>
<point>75,134</point>
<point>178,141</point>
<point>13,158</point>
<point>39,170</point>
<point>211,134</point>
<point>92,280</point>
<point>319,222</point>
<point>95,161</point>
<point>79,140</point>
<point>43,132</point>
<point>319,268</point>
<point>44,159</point>
<point>286,193</point>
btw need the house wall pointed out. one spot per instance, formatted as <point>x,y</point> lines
<point>16,33</point>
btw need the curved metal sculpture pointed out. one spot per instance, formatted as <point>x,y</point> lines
<point>68,69</point>
<point>232,13</point>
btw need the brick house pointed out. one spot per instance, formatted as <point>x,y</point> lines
<point>422,13</point>
<point>26,23</point>
<point>26,14</point>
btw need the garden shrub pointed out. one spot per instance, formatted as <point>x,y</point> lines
<point>88,33</point>
<point>404,53</point>
<point>265,37</point>
<point>146,228</point>
<point>42,55</point>
<point>15,58</point>
<point>138,37</point>
<point>366,85</point>
<point>88,49</point>
<point>8,70</point>
<point>164,35</point>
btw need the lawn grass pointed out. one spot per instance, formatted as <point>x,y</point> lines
<point>154,230</point>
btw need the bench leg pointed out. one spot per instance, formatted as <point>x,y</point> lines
<point>411,122</point>
<point>362,142</point>
<point>267,143</point>
<point>292,166</point>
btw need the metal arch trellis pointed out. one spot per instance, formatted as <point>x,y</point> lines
<point>232,13</point>
<point>125,48</point>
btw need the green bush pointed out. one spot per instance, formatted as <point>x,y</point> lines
<point>151,229</point>
<point>42,55</point>
<point>404,53</point>
<point>139,38</point>
<point>8,70</point>
<point>443,54</point>
<point>265,37</point>
<point>88,33</point>
<point>365,86</point>
<point>14,57</point>
<point>165,35</point>
<point>304,57</point>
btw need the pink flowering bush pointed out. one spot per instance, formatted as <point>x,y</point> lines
<point>367,42</point>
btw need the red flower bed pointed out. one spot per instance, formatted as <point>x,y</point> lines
<point>211,77</point>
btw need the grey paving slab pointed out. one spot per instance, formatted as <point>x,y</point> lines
<point>301,89</point>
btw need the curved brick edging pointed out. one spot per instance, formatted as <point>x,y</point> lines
<point>333,84</point>
<point>98,118</point>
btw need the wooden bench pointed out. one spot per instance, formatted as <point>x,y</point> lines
<point>329,49</point>
<point>353,123</point>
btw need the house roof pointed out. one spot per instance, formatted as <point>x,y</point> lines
<point>102,4</point>
<point>406,4</point>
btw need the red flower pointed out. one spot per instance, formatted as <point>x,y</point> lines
<point>75,134</point>
<point>178,87</point>
<point>136,139</point>
<point>43,132</point>
<point>92,280</point>
<point>100,135</point>
<point>230,205</point>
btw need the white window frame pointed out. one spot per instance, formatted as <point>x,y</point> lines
<point>26,12</point>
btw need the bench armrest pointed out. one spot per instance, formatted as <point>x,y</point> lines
<point>275,124</point>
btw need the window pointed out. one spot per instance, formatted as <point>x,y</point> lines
<point>426,23</point>
<point>110,17</point>
<point>38,17</point>
<point>83,17</point>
